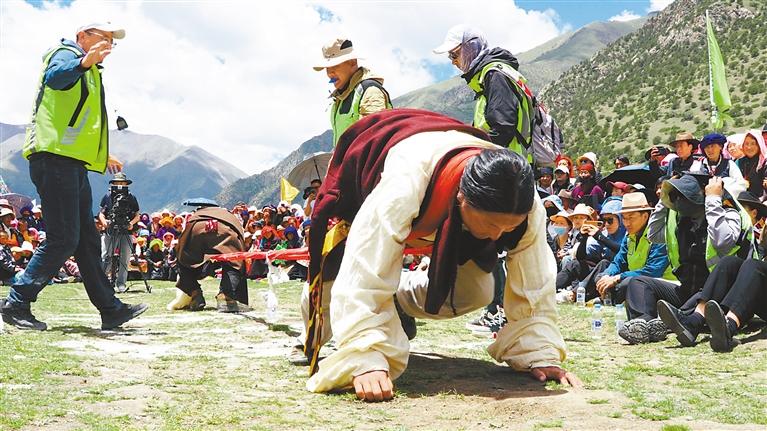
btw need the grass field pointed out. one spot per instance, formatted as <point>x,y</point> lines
<point>189,371</point>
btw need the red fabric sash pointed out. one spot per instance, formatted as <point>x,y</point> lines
<point>442,194</point>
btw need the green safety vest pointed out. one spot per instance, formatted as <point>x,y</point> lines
<point>70,123</point>
<point>712,255</point>
<point>638,252</point>
<point>346,112</point>
<point>525,113</point>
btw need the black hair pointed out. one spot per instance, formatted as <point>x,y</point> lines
<point>624,159</point>
<point>499,181</point>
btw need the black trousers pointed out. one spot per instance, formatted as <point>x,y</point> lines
<point>499,279</point>
<point>643,293</point>
<point>571,273</point>
<point>591,281</point>
<point>738,285</point>
<point>233,282</point>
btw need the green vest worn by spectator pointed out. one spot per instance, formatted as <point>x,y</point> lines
<point>522,140</point>
<point>712,256</point>
<point>346,112</point>
<point>72,122</point>
<point>638,252</point>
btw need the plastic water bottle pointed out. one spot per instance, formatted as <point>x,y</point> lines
<point>608,299</point>
<point>271,306</point>
<point>596,322</point>
<point>620,317</point>
<point>580,295</point>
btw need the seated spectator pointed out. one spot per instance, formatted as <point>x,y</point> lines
<point>21,255</point>
<point>561,180</point>
<point>269,238</point>
<point>292,240</point>
<point>697,230</point>
<point>594,254</point>
<point>566,197</point>
<point>171,260</point>
<point>23,228</point>
<point>7,221</point>
<point>580,214</point>
<point>545,178</point>
<point>145,219</point>
<point>553,205</point>
<point>156,260</point>
<point>178,224</point>
<point>37,214</point>
<point>8,267</point>
<point>154,225</point>
<point>618,188</point>
<point>622,162</point>
<point>714,163</point>
<point>731,295</point>
<point>684,146</point>
<point>166,226</point>
<point>752,164</point>
<point>26,215</point>
<point>559,233</point>
<point>733,149</point>
<point>636,255</point>
<point>588,191</point>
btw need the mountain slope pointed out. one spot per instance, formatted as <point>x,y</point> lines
<point>164,173</point>
<point>650,84</point>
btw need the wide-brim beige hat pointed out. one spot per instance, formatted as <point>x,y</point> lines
<point>584,210</point>
<point>636,201</point>
<point>561,215</point>
<point>336,52</point>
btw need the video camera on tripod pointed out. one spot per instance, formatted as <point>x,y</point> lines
<point>121,213</point>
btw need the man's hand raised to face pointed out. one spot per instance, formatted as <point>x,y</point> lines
<point>373,386</point>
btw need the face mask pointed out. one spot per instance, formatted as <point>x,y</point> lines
<point>556,231</point>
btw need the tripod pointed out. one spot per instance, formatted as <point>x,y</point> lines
<point>116,243</point>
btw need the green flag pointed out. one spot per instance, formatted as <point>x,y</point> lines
<point>718,90</point>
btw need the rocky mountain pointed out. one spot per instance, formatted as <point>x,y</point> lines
<point>164,172</point>
<point>452,97</point>
<point>645,87</point>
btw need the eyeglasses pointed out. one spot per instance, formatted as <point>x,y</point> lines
<point>103,37</point>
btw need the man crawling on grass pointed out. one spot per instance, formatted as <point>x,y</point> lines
<point>413,178</point>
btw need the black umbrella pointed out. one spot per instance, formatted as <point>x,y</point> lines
<point>632,174</point>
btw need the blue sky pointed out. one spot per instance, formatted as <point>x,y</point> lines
<point>578,13</point>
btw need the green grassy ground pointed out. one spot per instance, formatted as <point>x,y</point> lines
<point>187,371</point>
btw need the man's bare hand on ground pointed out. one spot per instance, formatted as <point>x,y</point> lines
<point>557,374</point>
<point>373,386</point>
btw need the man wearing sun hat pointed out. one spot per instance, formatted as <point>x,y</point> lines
<point>684,146</point>
<point>358,91</point>
<point>67,137</point>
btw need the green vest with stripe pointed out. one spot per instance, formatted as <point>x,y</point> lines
<point>344,113</point>
<point>712,255</point>
<point>71,122</point>
<point>525,112</point>
<point>638,252</point>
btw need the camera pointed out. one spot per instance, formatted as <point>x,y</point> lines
<point>121,214</point>
<point>309,191</point>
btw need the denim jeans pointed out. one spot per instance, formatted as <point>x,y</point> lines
<point>65,192</point>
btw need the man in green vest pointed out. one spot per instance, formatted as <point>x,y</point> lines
<point>504,107</point>
<point>636,257</point>
<point>66,138</point>
<point>698,228</point>
<point>358,91</point>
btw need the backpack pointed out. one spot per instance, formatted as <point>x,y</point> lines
<point>548,141</point>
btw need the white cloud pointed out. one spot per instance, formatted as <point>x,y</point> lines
<point>658,5</point>
<point>626,15</point>
<point>235,77</point>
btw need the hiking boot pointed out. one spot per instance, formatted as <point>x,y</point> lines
<point>113,319</point>
<point>722,328</point>
<point>20,316</point>
<point>197,302</point>
<point>482,323</point>
<point>635,331</point>
<point>406,320</point>
<point>677,322</point>
<point>657,330</point>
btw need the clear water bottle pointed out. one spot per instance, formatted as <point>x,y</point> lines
<point>608,301</point>
<point>596,322</point>
<point>580,295</point>
<point>270,300</point>
<point>620,317</point>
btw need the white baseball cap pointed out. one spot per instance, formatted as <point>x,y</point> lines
<point>457,35</point>
<point>105,26</point>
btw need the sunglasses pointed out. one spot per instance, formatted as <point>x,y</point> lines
<point>609,220</point>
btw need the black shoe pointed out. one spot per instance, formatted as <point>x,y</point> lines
<point>198,301</point>
<point>721,334</point>
<point>657,330</point>
<point>673,319</point>
<point>407,321</point>
<point>20,316</point>
<point>116,318</point>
